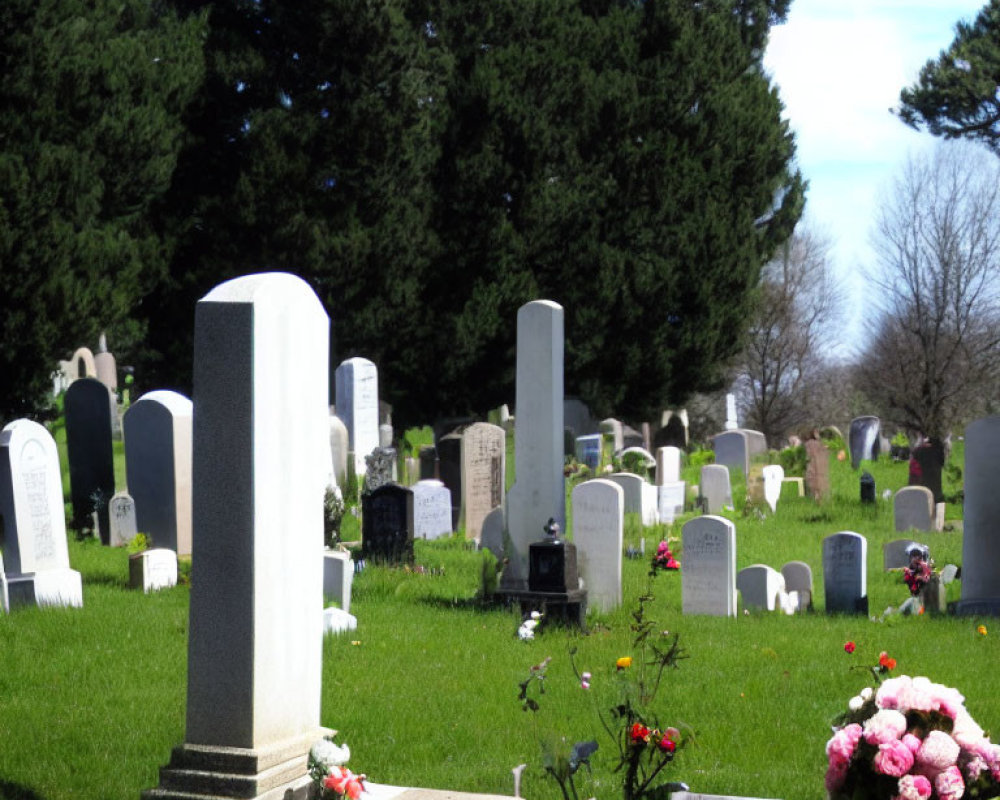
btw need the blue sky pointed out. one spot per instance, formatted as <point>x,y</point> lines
<point>839,66</point>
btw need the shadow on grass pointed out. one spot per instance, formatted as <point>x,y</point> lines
<point>15,791</point>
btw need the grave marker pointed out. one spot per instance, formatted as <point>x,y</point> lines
<point>89,451</point>
<point>261,386</point>
<point>640,496</point>
<point>158,463</point>
<point>708,580</point>
<point>845,573</point>
<point>588,450</point>
<point>913,509</point>
<point>484,449</point>
<point>670,501</point>
<point>431,510</point>
<point>668,465</point>
<point>598,530</point>
<point>387,524</point>
<point>799,579</point>
<point>356,387</point>
<point>33,519</point>
<point>538,492</point>
<point>774,475</point>
<point>863,439</point>
<point>152,570</point>
<point>121,515</point>
<point>761,587</point>
<point>716,492</point>
<point>981,537</point>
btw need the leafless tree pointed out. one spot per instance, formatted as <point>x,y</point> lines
<point>781,361</point>
<point>933,354</point>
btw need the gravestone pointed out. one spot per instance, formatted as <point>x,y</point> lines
<point>630,437</point>
<point>896,554</point>
<point>598,531</point>
<point>339,449</point>
<point>36,555</point>
<point>799,579</point>
<point>708,580</point>
<point>913,509</point>
<point>431,510</point>
<point>380,465</point>
<point>152,570</point>
<point>731,423</point>
<point>428,463</point>
<point>105,369</point>
<point>616,430</point>
<point>492,535</point>
<point>387,525</point>
<point>449,464</point>
<point>642,458</point>
<point>538,492</point>
<point>761,587</point>
<point>716,492</point>
<point>863,439</point>
<point>356,387</point>
<point>866,486</point>
<point>89,452</point>
<point>774,475</point>
<point>122,518</point>
<point>385,434</point>
<point>817,469</point>
<point>845,573</point>
<point>980,534</point>
<point>640,496</point>
<point>484,459</point>
<point>670,501</point>
<point>261,385</point>
<point>577,417</point>
<point>588,450</point>
<point>338,576</point>
<point>673,430</point>
<point>158,435</point>
<point>926,463</point>
<point>83,363</point>
<point>668,465</point>
<point>736,449</point>
<point>412,466</point>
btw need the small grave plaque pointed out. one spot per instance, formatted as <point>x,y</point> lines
<point>387,524</point>
<point>552,563</point>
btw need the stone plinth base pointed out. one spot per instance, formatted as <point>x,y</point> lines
<point>50,587</point>
<point>984,607</point>
<point>203,772</point>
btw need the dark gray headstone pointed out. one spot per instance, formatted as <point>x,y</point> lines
<point>926,463</point>
<point>428,463</point>
<point>88,449</point>
<point>449,453</point>
<point>387,524</point>
<point>845,574</point>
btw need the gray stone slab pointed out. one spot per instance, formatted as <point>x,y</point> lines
<point>913,509</point>
<point>761,587</point>
<point>845,573</point>
<point>484,460</point>
<point>981,536</point>
<point>598,530</point>
<point>715,488</point>
<point>708,577</point>
<point>89,452</point>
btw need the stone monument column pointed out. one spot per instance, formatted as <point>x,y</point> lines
<point>255,633</point>
<point>981,538</point>
<point>538,492</point>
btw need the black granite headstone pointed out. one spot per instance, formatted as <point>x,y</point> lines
<point>449,451</point>
<point>867,488</point>
<point>672,435</point>
<point>89,452</point>
<point>552,563</point>
<point>926,463</point>
<point>428,464</point>
<point>387,524</point>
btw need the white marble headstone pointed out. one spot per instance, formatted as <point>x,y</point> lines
<point>773,474</point>
<point>598,530</point>
<point>708,577</point>
<point>431,509</point>
<point>668,465</point>
<point>356,384</point>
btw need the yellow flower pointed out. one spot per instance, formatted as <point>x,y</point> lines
<point>624,662</point>
<point>981,630</point>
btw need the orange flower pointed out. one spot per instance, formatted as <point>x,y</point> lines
<point>624,662</point>
<point>885,662</point>
<point>981,630</point>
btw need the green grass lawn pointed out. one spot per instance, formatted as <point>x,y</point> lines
<point>425,691</point>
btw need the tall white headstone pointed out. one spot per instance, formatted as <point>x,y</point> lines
<point>356,386</point>
<point>731,423</point>
<point>256,609</point>
<point>538,492</point>
<point>598,531</point>
<point>668,465</point>
<point>158,431</point>
<point>34,522</point>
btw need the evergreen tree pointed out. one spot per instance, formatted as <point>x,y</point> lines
<point>956,93</point>
<point>90,101</point>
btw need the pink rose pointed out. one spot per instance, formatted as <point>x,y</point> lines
<point>893,692</point>
<point>893,758</point>
<point>949,784</point>
<point>914,787</point>
<point>912,742</point>
<point>884,726</point>
<point>937,752</point>
<point>841,747</point>
<point>974,767</point>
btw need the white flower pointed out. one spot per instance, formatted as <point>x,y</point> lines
<point>855,703</point>
<point>527,630</point>
<point>866,693</point>
<point>328,754</point>
<point>536,615</point>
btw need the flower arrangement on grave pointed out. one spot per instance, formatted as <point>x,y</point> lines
<point>664,559</point>
<point>331,779</point>
<point>909,739</point>
<point>918,573</point>
<point>644,747</point>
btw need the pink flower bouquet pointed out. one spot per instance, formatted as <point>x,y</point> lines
<point>911,739</point>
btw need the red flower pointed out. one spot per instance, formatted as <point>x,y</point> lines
<point>885,662</point>
<point>639,733</point>
<point>666,744</point>
<point>849,648</point>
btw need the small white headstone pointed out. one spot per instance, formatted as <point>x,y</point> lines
<point>152,569</point>
<point>336,620</point>
<point>715,488</point>
<point>708,579</point>
<point>431,510</point>
<point>668,465</point>
<point>121,513</point>
<point>773,476</point>
<point>761,587</point>
<point>338,576</point>
<point>670,501</point>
